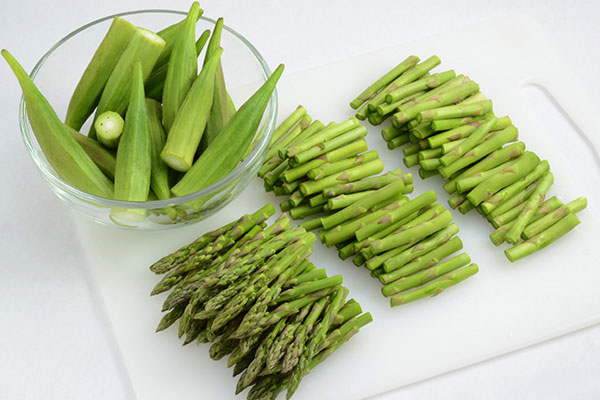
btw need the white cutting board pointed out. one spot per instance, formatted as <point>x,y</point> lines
<point>503,308</point>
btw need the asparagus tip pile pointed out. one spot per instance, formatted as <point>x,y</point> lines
<point>249,288</point>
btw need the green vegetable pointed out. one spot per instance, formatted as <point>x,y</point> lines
<point>103,158</point>
<point>425,83</point>
<point>109,127</point>
<point>159,177</point>
<point>62,151</point>
<point>543,223</point>
<point>91,84</point>
<point>132,174</point>
<point>456,111</point>
<point>187,129</point>
<point>144,47</point>
<point>226,151</point>
<point>183,68</point>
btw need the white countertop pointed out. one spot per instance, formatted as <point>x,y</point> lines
<point>55,340</point>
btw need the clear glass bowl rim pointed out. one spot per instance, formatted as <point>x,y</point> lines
<point>49,172</point>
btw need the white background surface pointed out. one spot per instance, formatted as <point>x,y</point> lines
<point>53,339</point>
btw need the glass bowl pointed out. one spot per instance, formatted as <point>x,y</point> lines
<point>57,74</point>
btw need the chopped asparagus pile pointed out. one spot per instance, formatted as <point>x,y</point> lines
<point>328,174</point>
<point>249,288</point>
<point>449,129</point>
<point>173,126</point>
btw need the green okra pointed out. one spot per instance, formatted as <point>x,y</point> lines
<point>170,35</point>
<point>62,151</point>
<point>102,157</point>
<point>222,106</point>
<point>156,81</point>
<point>229,147</point>
<point>109,127</point>
<point>91,84</point>
<point>183,68</point>
<point>382,82</point>
<point>133,168</point>
<point>159,177</point>
<point>145,47</point>
<point>185,134</point>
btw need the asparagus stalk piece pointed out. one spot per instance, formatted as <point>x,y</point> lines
<point>338,166</point>
<point>62,151</point>
<point>509,191</point>
<point>509,175</point>
<point>497,237</point>
<point>533,203</point>
<point>384,81</point>
<point>305,210</point>
<point>306,126</point>
<point>464,131</point>
<point>344,200</point>
<point>473,140</point>
<point>543,239</point>
<point>330,132</point>
<point>145,47</point>
<point>334,143</point>
<point>421,248</point>
<point>405,209</point>
<point>183,68</point>
<point>452,96</point>
<point>420,278</point>
<point>494,159</point>
<point>189,123</point>
<point>429,167</point>
<point>89,88</point>
<point>226,151</point>
<point>545,222</point>
<point>376,182</point>
<point>411,160</point>
<point>287,124</point>
<point>349,175</point>
<point>133,167</point>
<point>469,182</point>
<point>456,111</point>
<point>407,77</point>
<point>349,150</point>
<point>385,110</point>
<point>508,217</point>
<point>397,141</point>
<point>411,235</point>
<point>511,203</point>
<point>426,83</point>
<point>426,260</point>
<point>439,125</point>
<point>436,287</point>
<point>390,132</point>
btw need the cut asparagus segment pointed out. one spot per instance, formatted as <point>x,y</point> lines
<point>334,143</point>
<point>344,200</point>
<point>397,141</point>
<point>133,168</point>
<point>421,248</point>
<point>407,77</point>
<point>188,126</point>
<point>549,205</point>
<point>330,132</point>
<point>338,166</point>
<point>533,203</point>
<point>429,274</point>
<point>91,84</point>
<point>543,239</point>
<point>473,140</point>
<point>436,287</point>
<point>145,47</point>
<point>384,81</point>
<point>349,175</point>
<point>426,83</point>
<point>509,175</point>
<point>508,192</point>
<point>62,151</point>
<point>456,111</point>
<point>109,127</point>
<point>545,222</point>
<point>439,125</point>
<point>368,184</point>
